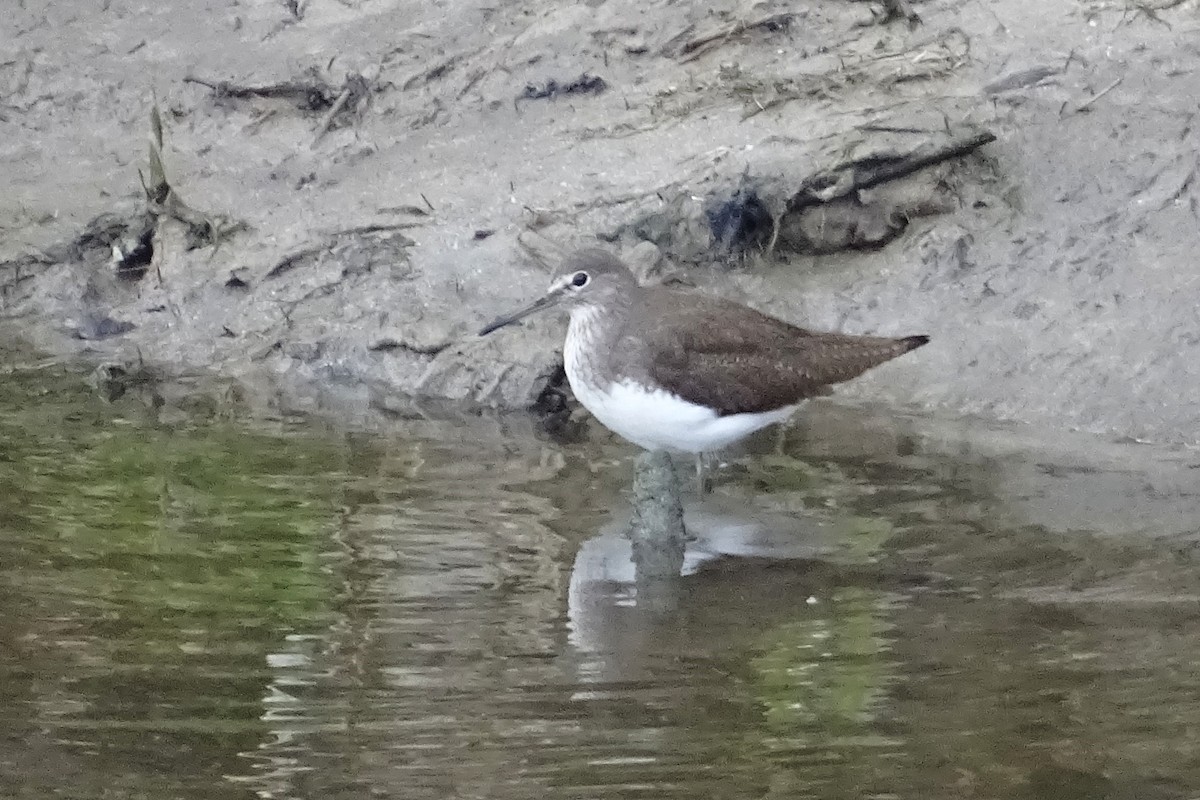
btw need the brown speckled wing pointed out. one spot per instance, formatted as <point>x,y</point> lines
<point>751,362</point>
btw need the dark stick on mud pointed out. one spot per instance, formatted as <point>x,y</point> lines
<point>308,96</point>
<point>584,84</point>
<point>355,91</point>
<point>327,120</point>
<point>866,173</point>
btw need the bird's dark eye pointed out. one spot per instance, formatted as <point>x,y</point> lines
<point>579,280</point>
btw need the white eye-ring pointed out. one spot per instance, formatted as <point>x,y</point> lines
<point>580,280</point>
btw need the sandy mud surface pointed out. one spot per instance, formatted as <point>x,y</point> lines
<point>353,186</point>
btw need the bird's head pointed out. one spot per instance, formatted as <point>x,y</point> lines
<point>591,278</point>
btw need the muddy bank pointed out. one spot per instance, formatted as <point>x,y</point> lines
<point>382,176</point>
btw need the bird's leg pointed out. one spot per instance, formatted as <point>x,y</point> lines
<point>656,533</point>
<point>657,505</point>
<point>703,479</point>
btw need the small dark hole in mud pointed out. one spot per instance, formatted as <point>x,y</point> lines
<point>740,223</point>
<point>200,235</point>
<point>133,265</point>
<point>317,99</point>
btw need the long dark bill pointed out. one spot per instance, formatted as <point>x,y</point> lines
<point>543,302</point>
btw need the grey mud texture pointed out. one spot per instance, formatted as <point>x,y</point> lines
<point>432,183</point>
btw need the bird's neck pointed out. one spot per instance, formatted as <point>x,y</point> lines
<point>591,338</point>
<point>595,324</point>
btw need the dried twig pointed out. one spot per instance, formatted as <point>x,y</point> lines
<point>1086,104</point>
<point>327,120</point>
<point>698,45</point>
<point>935,58</point>
<point>314,95</point>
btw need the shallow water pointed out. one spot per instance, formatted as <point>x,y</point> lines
<point>202,602</point>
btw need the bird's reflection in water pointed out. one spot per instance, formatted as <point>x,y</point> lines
<point>630,583</point>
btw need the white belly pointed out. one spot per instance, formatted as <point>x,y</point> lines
<point>659,420</point>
